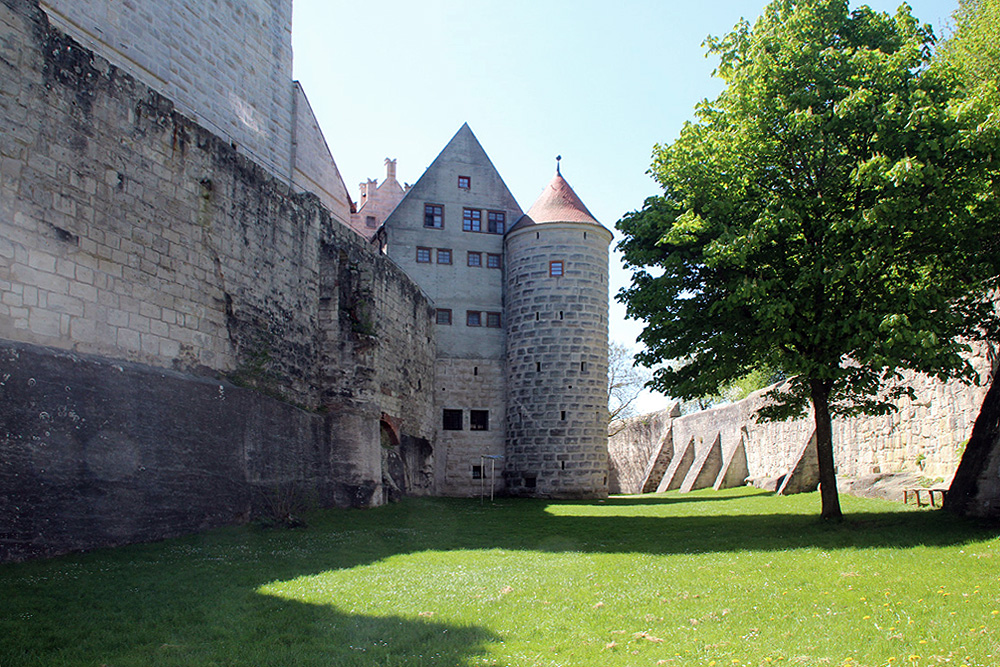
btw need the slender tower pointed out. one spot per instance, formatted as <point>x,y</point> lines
<point>557,349</point>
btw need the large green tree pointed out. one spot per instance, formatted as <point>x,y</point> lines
<point>972,54</point>
<point>815,219</point>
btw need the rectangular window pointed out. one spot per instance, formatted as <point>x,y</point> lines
<point>495,222</point>
<point>494,261</point>
<point>493,320</point>
<point>423,255</point>
<point>473,318</point>
<point>452,420</point>
<point>434,216</point>
<point>479,420</point>
<point>472,220</point>
<point>477,472</point>
<point>475,259</point>
<point>443,315</point>
<point>555,268</point>
<point>444,255</point>
<point>370,221</point>
<point>464,182</point>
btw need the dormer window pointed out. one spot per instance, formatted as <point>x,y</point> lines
<point>464,182</point>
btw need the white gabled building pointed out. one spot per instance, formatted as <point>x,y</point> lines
<point>521,327</point>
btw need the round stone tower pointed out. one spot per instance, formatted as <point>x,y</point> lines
<point>557,349</point>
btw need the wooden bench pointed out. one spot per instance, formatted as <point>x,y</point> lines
<point>916,493</point>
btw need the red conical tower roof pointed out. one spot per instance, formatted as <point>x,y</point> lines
<point>558,203</point>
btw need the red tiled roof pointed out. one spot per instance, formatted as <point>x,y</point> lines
<point>558,203</point>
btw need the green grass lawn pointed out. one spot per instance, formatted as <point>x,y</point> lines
<point>740,577</point>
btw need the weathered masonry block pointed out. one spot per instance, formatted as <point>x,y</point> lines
<point>216,325</point>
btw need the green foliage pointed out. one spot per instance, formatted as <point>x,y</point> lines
<point>823,216</point>
<point>739,388</point>
<point>740,575</point>
<point>817,211</point>
<point>974,48</point>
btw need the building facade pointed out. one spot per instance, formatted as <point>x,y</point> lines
<point>521,316</point>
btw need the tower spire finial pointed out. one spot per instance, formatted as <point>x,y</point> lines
<point>558,158</point>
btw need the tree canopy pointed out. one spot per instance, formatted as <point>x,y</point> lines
<point>972,53</point>
<point>817,218</point>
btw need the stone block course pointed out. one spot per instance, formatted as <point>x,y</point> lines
<point>131,233</point>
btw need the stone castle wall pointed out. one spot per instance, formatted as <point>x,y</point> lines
<point>226,65</point>
<point>926,435</point>
<point>470,384</point>
<point>131,235</point>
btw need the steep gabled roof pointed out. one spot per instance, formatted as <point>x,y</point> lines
<point>464,148</point>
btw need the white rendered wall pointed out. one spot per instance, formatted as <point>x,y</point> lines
<point>469,369</point>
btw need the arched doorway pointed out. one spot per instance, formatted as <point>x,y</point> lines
<point>393,470</point>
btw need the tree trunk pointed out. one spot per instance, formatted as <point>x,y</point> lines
<point>985,433</point>
<point>824,450</point>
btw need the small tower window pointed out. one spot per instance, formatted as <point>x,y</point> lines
<point>562,415</point>
<point>583,366</point>
<point>560,314</point>
<point>538,367</point>
<point>464,182</point>
<point>556,268</point>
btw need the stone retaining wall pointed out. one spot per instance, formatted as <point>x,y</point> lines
<point>925,435</point>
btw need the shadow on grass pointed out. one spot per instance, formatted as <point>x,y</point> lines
<point>198,600</point>
<point>520,524</point>
<point>660,499</point>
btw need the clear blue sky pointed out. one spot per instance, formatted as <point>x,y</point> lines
<point>598,82</point>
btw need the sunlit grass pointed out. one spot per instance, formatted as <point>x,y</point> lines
<point>716,579</point>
